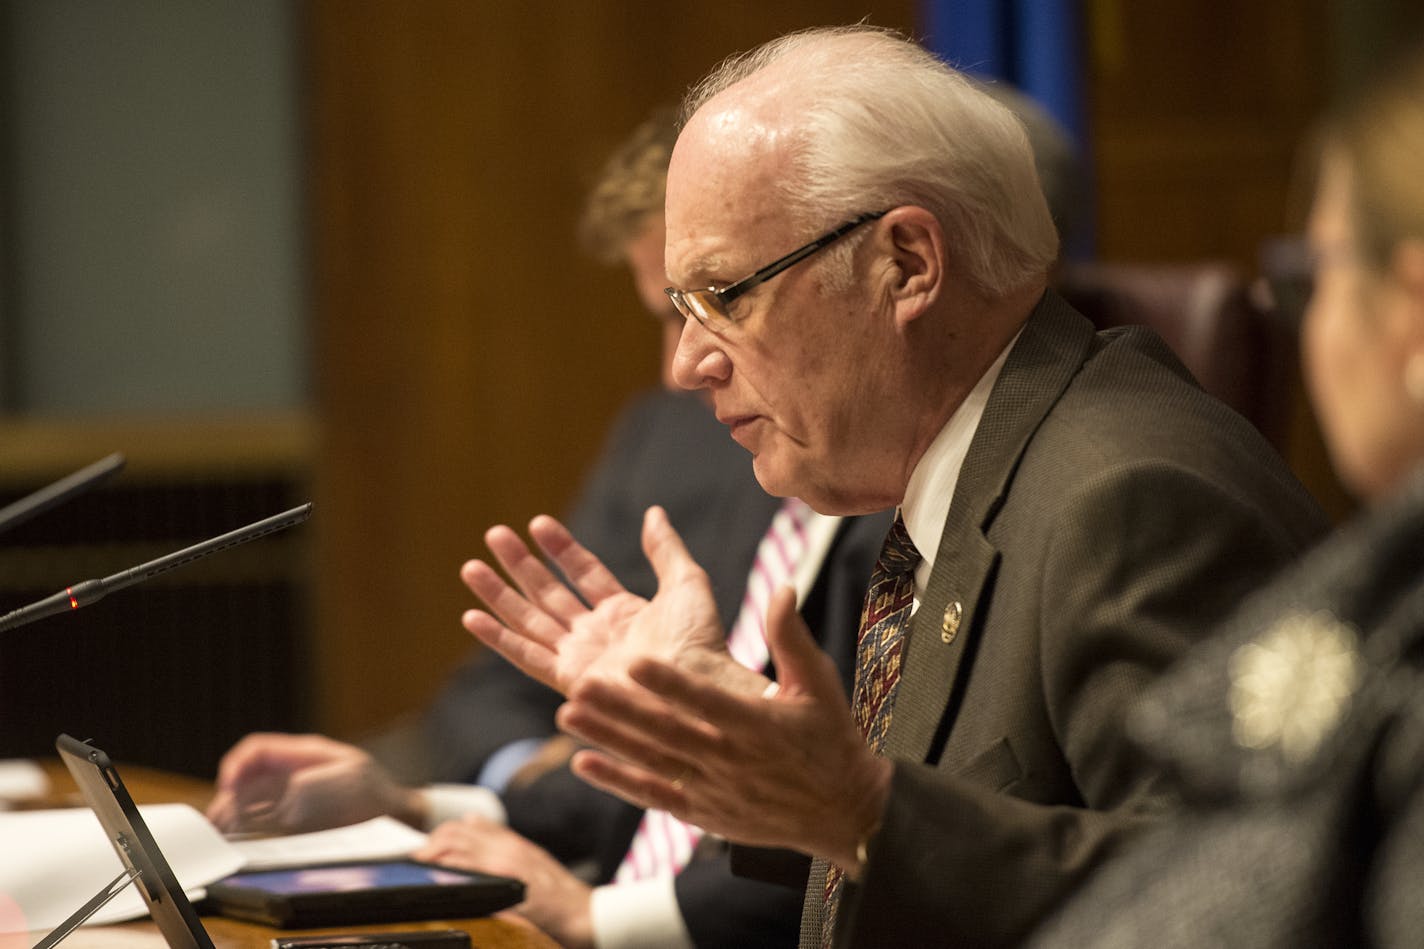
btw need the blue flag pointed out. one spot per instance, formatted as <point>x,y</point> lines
<point>1035,46</point>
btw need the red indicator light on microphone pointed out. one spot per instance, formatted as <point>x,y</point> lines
<point>73,603</point>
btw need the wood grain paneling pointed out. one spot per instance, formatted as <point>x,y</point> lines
<point>1198,111</point>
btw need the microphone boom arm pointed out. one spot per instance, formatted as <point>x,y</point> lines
<point>91,591</point>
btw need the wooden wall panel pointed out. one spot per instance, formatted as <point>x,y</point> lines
<point>1198,110</point>
<point>468,358</point>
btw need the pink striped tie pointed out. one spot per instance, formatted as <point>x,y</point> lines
<point>664,844</point>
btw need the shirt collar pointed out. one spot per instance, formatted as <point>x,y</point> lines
<point>931,489</point>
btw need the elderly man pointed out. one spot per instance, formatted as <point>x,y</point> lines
<point>659,883</point>
<point>1074,511</point>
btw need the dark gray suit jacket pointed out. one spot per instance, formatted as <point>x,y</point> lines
<point>1108,514</point>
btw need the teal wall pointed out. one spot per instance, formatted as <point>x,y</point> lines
<point>152,234</point>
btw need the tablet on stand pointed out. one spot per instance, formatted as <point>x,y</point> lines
<point>144,865</point>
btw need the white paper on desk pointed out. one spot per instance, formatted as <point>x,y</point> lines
<point>116,937</point>
<point>380,838</point>
<point>21,780</point>
<point>52,862</point>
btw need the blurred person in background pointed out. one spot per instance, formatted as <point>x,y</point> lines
<point>1297,736</point>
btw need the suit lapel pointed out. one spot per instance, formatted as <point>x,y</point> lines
<point>1053,345</point>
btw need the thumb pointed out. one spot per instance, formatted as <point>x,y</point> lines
<point>802,666</point>
<point>664,547</point>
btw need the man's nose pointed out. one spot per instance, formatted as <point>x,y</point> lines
<point>699,360</point>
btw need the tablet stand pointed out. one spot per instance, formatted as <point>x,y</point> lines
<point>131,839</point>
<point>82,914</point>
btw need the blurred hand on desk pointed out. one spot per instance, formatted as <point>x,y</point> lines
<point>282,784</point>
<point>554,899</point>
<point>275,783</point>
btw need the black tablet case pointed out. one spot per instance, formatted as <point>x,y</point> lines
<point>481,895</point>
<point>105,793</point>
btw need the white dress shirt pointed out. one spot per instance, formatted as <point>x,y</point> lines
<point>931,489</point>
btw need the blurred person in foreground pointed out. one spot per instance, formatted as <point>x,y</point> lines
<point>658,882</point>
<point>861,256</point>
<point>1297,737</point>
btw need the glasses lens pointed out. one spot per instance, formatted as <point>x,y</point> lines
<point>706,307</point>
<point>678,301</point>
<point>1289,268</point>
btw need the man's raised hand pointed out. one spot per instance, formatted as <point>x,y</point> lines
<point>560,638</point>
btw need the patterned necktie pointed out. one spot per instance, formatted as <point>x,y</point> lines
<point>883,621</point>
<point>663,844</point>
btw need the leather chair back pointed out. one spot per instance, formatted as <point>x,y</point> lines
<point>1234,345</point>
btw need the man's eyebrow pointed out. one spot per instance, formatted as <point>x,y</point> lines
<point>699,267</point>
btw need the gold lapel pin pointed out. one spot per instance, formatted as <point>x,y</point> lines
<point>949,629</point>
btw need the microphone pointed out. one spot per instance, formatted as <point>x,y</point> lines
<point>91,591</point>
<point>59,492</point>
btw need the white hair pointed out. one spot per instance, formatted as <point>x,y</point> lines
<point>880,122</point>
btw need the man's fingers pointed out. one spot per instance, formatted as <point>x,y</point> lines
<point>235,763</point>
<point>274,754</point>
<point>510,606</point>
<point>636,729</point>
<point>590,577</point>
<point>257,818</point>
<point>696,694</point>
<point>664,548</point>
<point>222,811</point>
<point>536,581</point>
<point>533,658</point>
<point>252,807</point>
<point>250,753</point>
<point>802,666</point>
<point>448,836</point>
<point>630,782</point>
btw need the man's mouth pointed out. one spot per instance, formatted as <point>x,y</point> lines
<point>738,425</point>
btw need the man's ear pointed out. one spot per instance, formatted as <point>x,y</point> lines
<point>917,258</point>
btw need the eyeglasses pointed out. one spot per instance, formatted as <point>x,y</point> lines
<point>709,306</point>
<point>1290,267</point>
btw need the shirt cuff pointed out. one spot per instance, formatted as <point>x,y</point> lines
<point>500,766</point>
<point>452,801</point>
<point>641,915</point>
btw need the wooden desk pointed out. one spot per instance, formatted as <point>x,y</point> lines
<point>502,931</point>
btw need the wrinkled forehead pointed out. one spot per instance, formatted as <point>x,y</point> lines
<point>723,189</point>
